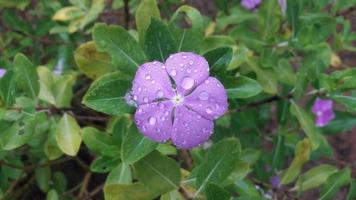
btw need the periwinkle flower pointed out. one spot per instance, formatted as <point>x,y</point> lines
<point>323,110</point>
<point>2,72</point>
<point>275,181</point>
<point>250,4</point>
<point>178,100</point>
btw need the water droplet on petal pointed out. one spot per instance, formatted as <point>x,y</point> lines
<point>147,77</point>
<point>204,96</point>
<point>135,97</point>
<point>184,56</point>
<point>145,99</point>
<point>189,70</point>
<point>139,89</point>
<point>173,72</point>
<point>161,105</point>
<point>185,124</point>
<point>140,110</point>
<point>191,62</point>
<point>198,116</point>
<point>181,65</point>
<point>153,81</point>
<point>166,112</point>
<point>208,110</point>
<point>155,62</point>
<point>163,118</point>
<point>160,94</point>
<point>158,130</point>
<point>152,121</point>
<point>163,67</point>
<point>187,83</point>
<point>207,81</point>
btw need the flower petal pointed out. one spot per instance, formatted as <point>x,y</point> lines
<point>154,120</point>
<point>2,72</point>
<point>324,118</point>
<point>190,129</point>
<point>209,99</point>
<point>322,105</point>
<point>188,70</point>
<point>151,83</point>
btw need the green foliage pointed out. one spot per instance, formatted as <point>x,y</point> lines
<point>67,122</point>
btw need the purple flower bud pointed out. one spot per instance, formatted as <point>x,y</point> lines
<point>323,110</point>
<point>182,111</point>
<point>283,5</point>
<point>275,181</point>
<point>250,4</point>
<point>2,72</point>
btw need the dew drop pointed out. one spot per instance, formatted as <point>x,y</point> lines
<point>145,99</point>
<point>161,105</point>
<point>135,97</point>
<point>195,71</point>
<point>204,96</point>
<point>189,70</point>
<point>207,81</point>
<point>163,67</point>
<point>152,121</point>
<point>187,83</point>
<point>181,65</point>
<point>153,81</point>
<point>147,77</point>
<point>191,62</point>
<point>184,56</point>
<point>139,89</point>
<point>166,112</point>
<point>163,118</point>
<point>160,93</point>
<point>140,110</point>
<point>185,124</point>
<point>208,110</point>
<point>173,72</point>
<point>155,62</point>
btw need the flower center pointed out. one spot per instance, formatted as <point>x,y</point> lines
<point>177,99</point>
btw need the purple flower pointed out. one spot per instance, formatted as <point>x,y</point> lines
<point>250,4</point>
<point>178,100</point>
<point>2,72</point>
<point>283,5</point>
<point>323,110</point>
<point>275,181</point>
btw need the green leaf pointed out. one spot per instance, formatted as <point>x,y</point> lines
<point>334,183</point>
<point>135,191</point>
<point>159,43</point>
<point>266,78</point>
<point>104,164</point>
<point>91,62</point>
<point>52,195</point>
<point>124,50</point>
<point>68,135</point>
<point>145,11</point>
<point>172,195</point>
<point>43,178</point>
<point>120,175</point>
<point>218,163</point>
<point>59,181</point>
<point>63,90</point>
<point>352,191</point>
<point>302,154</point>
<point>215,192</point>
<point>285,73</point>
<point>158,172</point>
<point>99,142</point>
<point>348,101</point>
<point>27,77</point>
<point>242,87</point>
<point>314,177</point>
<point>8,88</point>
<point>107,94</point>
<point>135,146</point>
<point>219,59</point>
<point>307,124</point>
<point>293,15</point>
<point>51,148</point>
<point>18,134</point>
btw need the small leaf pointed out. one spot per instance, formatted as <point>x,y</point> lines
<point>302,154</point>
<point>159,43</point>
<point>348,101</point>
<point>135,191</point>
<point>91,62</point>
<point>314,177</point>
<point>334,183</point>
<point>43,177</point>
<point>145,11</point>
<point>68,135</point>
<point>120,175</point>
<point>135,146</point>
<point>219,59</point>
<point>107,94</point>
<point>158,172</point>
<point>215,192</point>
<point>266,78</point>
<point>218,163</point>
<point>27,77</point>
<point>67,13</point>
<point>97,141</point>
<point>307,124</point>
<point>52,195</point>
<point>242,87</point>
<point>104,164</point>
<point>124,50</point>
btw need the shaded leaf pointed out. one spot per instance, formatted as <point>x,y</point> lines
<point>68,135</point>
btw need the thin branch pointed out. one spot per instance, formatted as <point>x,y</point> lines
<point>259,103</point>
<point>94,192</point>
